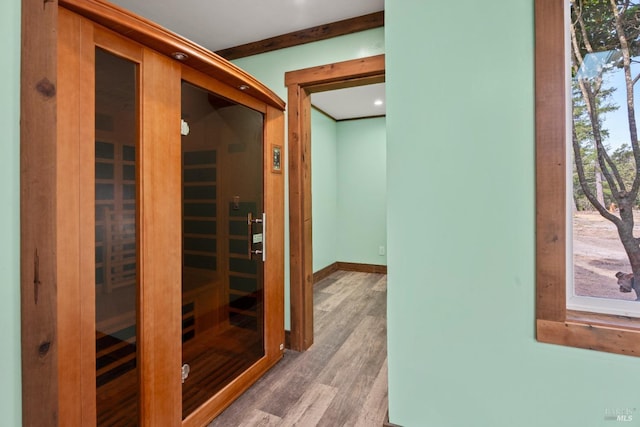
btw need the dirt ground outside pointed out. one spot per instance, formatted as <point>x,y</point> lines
<point>597,256</point>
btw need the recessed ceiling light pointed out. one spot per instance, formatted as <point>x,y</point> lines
<point>378,102</point>
<point>244,87</point>
<point>180,56</point>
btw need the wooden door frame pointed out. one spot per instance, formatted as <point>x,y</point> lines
<point>300,85</point>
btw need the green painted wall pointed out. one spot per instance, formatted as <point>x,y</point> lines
<point>324,187</point>
<point>10,391</point>
<point>460,123</point>
<point>349,190</point>
<point>270,68</point>
<point>460,190</point>
<point>362,198</point>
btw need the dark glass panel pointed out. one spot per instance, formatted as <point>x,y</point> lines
<point>116,236</point>
<point>222,167</point>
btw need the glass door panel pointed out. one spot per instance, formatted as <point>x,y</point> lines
<point>116,240</point>
<point>222,287</point>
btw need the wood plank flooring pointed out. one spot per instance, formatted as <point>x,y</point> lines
<point>342,379</point>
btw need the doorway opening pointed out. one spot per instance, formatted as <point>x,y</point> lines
<point>300,85</point>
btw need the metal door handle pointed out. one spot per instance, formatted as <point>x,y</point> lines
<point>250,241</point>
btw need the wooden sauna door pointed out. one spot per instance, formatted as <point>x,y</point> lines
<point>223,242</point>
<point>151,225</point>
<point>231,281</point>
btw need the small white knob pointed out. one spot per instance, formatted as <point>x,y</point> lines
<point>185,371</point>
<point>184,128</point>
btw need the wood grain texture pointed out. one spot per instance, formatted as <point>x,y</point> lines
<point>262,419</point>
<point>348,266</point>
<point>38,239</point>
<point>551,123</point>
<point>301,239</point>
<point>555,324</point>
<point>86,224</point>
<point>593,337</point>
<point>228,395</point>
<point>298,248</point>
<point>377,399</point>
<point>68,215</point>
<point>325,272</point>
<point>337,293</point>
<point>309,409</point>
<point>300,84</point>
<point>165,42</point>
<point>340,73</point>
<point>160,271</point>
<point>219,88</point>
<point>363,268</point>
<point>57,259</point>
<point>308,35</point>
<point>274,266</point>
<point>341,379</point>
<point>75,211</point>
<point>345,84</point>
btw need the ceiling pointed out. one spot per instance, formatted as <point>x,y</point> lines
<point>222,24</point>
<point>352,103</point>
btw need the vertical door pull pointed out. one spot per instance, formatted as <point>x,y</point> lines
<point>257,238</point>
<point>264,237</point>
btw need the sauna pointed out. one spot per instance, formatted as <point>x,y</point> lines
<point>168,225</point>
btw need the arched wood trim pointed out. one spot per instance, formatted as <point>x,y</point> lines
<point>300,84</point>
<point>164,41</point>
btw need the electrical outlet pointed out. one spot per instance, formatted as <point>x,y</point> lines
<point>381,250</point>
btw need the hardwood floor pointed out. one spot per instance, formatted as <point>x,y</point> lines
<point>342,379</point>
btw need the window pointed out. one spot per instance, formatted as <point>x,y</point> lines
<point>603,201</point>
<point>555,322</point>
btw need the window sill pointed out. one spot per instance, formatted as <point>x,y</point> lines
<point>593,331</point>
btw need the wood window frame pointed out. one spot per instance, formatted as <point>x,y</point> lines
<point>300,85</point>
<point>556,324</point>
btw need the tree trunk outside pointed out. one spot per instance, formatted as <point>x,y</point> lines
<point>599,192</point>
<point>629,242</point>
<point>633,252</point>
<point>605,168</point>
